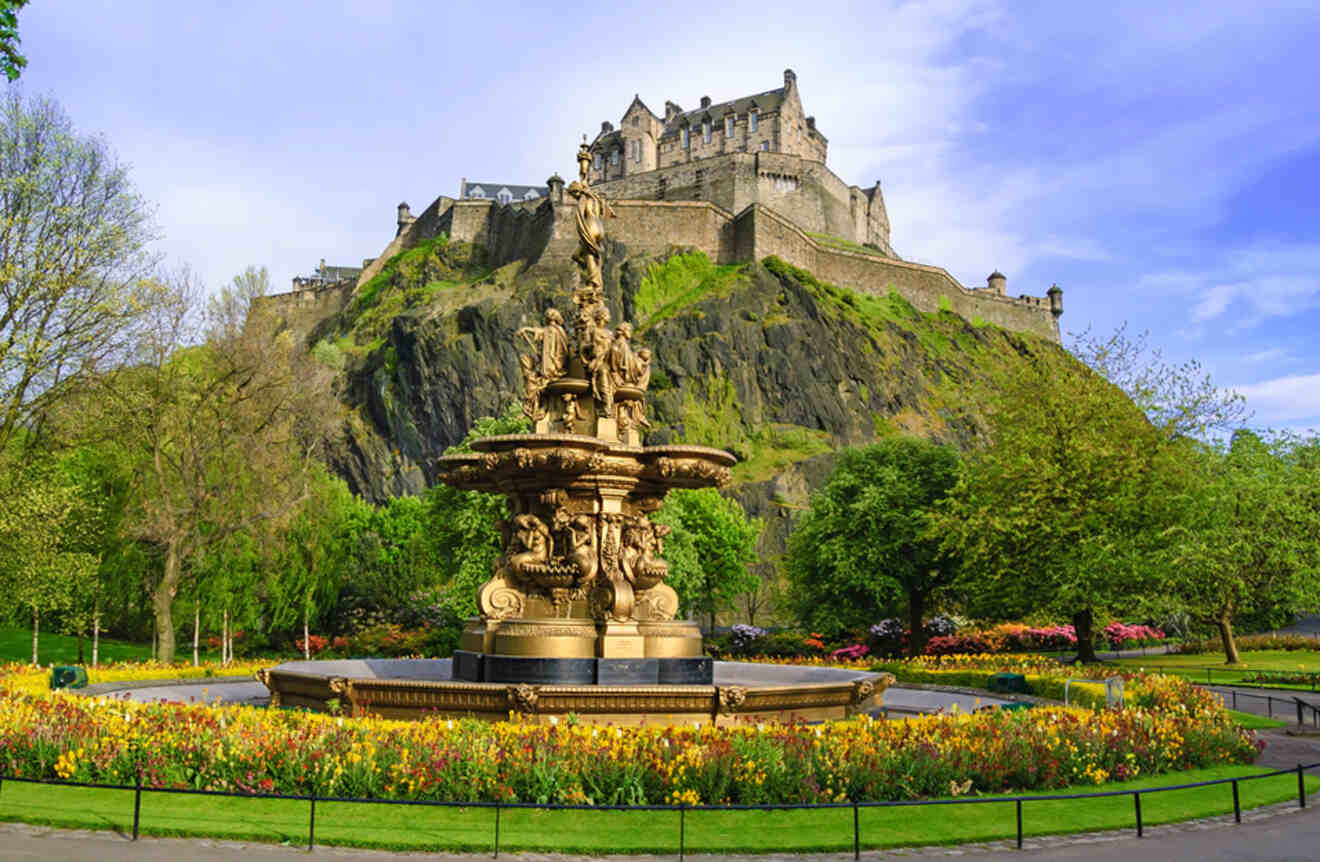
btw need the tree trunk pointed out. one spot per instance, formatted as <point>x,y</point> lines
<point>81,660</point>
<point>36,626</point>
<point>916,623</point>
<point>96,632</point>
<point>197,627</point>
<point>1225,626</point>
<point>162,602</point>
<point>1082,624</point>
<point>307,641</point>
<point>224,639</point>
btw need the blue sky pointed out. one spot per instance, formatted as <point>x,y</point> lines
<point>1160,162</point>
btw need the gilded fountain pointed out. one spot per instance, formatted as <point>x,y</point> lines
<point>579,594</point>
<point>576,618</point>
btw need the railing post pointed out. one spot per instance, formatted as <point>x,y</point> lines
<point>1301,719</point>
<point>1237,804</point>
<point>1269,705</point>
<point>137,805</point>
<point>1301,787</point>
<point>1019,820</point>
<point>311,824</point>
<point>1235,698</point>
<point>1136,803</point>
<point>497,829</point>
<point>857,834</point>
<point>682,832</point>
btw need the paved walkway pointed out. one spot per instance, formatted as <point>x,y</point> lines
<point>1279,833</point>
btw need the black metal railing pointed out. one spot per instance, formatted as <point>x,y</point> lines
<point>1018,803</point>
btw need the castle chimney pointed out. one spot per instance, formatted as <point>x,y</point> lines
<point>705,101</point>
<point>811,123</point>
<point>606,126</point>
<point>321,269</point>
<point>671,110</point>
<point>996,281</point>
<point>790,79</point>
<point>1055,294</point>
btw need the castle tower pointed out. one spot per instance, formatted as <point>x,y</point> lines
<point>997,283</point>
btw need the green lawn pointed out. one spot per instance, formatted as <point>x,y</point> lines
<point>401,827</point>
<point>16,645</point>
<point>1255,722</point>
<point>1209,667</point>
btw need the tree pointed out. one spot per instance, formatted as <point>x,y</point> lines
<point>221,434</point>
<point>1248,534</point>
<point>1063,510</point>
<point>712,543</point>
<point>316,550</point>
<point>11,62</point>
<point>42,556</point>
<point>1180,400</point>
<point>73,258</point>
<point>866,543</point>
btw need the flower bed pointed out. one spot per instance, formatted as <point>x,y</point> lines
<point>243,749</point>
<point>29,679</point>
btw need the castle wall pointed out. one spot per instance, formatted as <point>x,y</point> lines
<point>923,286</point>
<point>802,190</point>
<point>301,310</point>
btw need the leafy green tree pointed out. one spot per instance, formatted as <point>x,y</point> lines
<point>1063,510</point>
<point>74,292</point>
<point>313,565</point>
<point>221,435</point>
<point>11,62</point>
<point>712,544</point>
<point>866,543</point>
<point>1247,537</point>
<point>42,541</point>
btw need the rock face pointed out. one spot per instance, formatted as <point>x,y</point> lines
<point>760,359</point>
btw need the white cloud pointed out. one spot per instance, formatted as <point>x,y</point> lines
<point>1284,399</point>
<point>1246,287</point>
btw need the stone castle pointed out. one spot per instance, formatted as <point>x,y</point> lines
<point>739,180</point>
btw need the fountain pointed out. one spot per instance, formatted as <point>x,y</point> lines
<point>577,617</point>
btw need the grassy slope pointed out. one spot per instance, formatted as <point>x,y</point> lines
<point>1195,667</point>
<point>412,827</point>
<point>16,646</point>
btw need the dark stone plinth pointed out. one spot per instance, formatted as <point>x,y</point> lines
<point>627,671</point>
<point>543,671</point>
<point>476,667</point>
<point>467,665</point>
<point>686,671</point>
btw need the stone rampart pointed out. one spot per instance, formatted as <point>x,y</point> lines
<point>923,286</point>
<point>300,310</point>
<point>544,234</point>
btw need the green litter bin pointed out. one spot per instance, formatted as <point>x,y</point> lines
<point>68,676</point>
<point>1008,683</point>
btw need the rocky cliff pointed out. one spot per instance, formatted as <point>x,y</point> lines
<point>760,358</point>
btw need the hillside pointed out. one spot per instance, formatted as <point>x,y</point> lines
<point>760,358</point>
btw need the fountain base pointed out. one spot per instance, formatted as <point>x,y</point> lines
<point>582,652</point>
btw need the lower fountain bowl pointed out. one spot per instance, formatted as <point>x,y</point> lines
<point>424,688</point>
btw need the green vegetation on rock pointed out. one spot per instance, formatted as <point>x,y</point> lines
<point>839,242</point>
<point>680,281</point>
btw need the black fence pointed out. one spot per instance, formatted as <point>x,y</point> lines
<point>1304,711</point>
<point>684,810</point>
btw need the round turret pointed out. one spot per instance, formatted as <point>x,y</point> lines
<point>1055,294</point>
<point>996,281</point>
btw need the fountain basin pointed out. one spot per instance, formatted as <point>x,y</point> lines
<point>423,688</point>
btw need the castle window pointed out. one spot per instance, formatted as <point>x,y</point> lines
<point>687,138</point>
<point>765,146</point>
<point>598,161</point>
<point>504,196</point>
<point>728,126</point>
<point>637,121</point>
<point>705,131</point>
<point>614,157</point>
<point>751,120</point>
